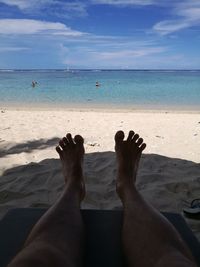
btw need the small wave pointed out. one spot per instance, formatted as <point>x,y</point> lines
<point>96,70</point>
<point>6,70</point>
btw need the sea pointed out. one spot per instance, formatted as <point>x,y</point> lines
<point>147,89</point>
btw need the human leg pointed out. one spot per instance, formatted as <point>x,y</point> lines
<point>148,238</point>
<point>58,237</point>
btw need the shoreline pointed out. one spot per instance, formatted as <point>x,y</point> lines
<point>103,108</point>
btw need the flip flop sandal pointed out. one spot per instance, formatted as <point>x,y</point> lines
<point>194,210</point>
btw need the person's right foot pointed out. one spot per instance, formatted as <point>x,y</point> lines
<point>128,154</point>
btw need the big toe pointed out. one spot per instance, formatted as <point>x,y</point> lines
<point>79,140</point>
<point>119,137</point>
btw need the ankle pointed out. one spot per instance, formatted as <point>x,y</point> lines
<point>75,188</point>
<point>74,173</point>
<point>125,188</point>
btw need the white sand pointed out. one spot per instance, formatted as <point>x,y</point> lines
<point>30,170</point>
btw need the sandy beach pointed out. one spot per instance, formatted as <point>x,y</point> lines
<point>169,174</point>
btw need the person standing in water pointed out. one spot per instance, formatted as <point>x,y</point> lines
<point>97,84</point>
<point>34,83</point>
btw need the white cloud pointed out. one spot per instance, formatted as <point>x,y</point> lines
<point>129,53</point>
<point>78,7</point>
<point>12,49</point>
<point>50,7</point>
<point>188,13</point>
<point>68,9</point>
<point>169,26</point>
<point>124,2</point>
<point>28,26</point>
<point>22,4</point>
<point>191,14</point>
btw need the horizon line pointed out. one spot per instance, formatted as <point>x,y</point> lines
<point>102,69</point>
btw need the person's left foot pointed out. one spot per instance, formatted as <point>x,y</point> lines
<point>71,152</point>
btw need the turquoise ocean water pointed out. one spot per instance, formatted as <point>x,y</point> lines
<point>119,88</point>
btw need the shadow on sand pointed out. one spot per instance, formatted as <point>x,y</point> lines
<point>28,146</point>
<point>164,182</point>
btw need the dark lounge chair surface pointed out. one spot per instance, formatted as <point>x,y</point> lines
<point>103,228</point>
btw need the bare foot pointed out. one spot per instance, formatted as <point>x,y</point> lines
<point>128,154</point>
<point>71,152</point>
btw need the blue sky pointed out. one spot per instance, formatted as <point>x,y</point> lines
<point>117,34</point>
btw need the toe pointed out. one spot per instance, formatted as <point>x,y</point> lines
<point>143,146</point>
<point>58,149</point>
<point>69,138</point>
<point>119,137</point>
<point>62,144</point>
<point>79,139</point>
<point>135,137</point>
<point>65,141</point>
<point>139,142</point>
<point>130,135</point>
